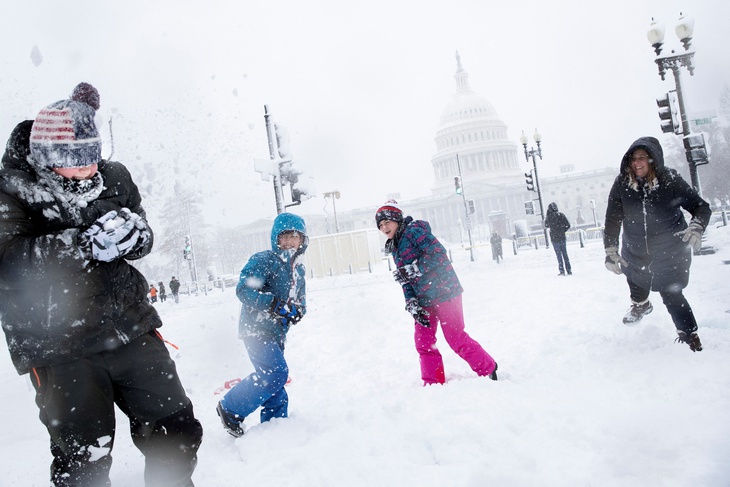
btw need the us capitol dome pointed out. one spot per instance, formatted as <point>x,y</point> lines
<point>472,141</point>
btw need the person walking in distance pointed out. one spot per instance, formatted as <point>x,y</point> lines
<point>75,311</point>
<point>496,243</point>
<point>432,292</point>
<point>153,294</point>
<point>175,289</point>
<point>645,209</point>
<point>558,225</point>
<point>162,292</point>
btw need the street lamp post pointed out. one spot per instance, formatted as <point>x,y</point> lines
<point>674,62</point>
<point>531,154</point>
<point>334,195</point>
<point>468,218</point>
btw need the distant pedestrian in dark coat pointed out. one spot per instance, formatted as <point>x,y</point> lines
<point>175,288</point>
<point>558,225</point>
<point>432,292</point>
<point>161,291</point>
<point>496,242</point>
<point>645,208</point>
<point>74,310</point>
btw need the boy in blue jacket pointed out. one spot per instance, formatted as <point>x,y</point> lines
<point>273,292</point>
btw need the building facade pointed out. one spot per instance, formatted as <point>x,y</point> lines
<point>472,143</point>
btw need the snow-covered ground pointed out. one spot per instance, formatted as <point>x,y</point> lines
<point>582,400</point>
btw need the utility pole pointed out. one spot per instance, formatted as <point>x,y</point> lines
<point>694,144</point>
<point>531,154</point>
<point>273,155</point>
<point>467,221</point>
<point>189,249</point>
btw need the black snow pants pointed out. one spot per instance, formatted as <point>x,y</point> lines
<point>677,306</point>
<point>76,402</point>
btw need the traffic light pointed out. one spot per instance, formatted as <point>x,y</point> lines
<point>669,114</point>
<point>529,181</point>
<point>471,207</point>
<point>695,148</point>
<point>188,247</point>
<point>458,186</point>
<point>296,193</point>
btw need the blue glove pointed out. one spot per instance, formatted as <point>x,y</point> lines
<point>287,311</point>
<point>109,238</point>
<point>419,314</point>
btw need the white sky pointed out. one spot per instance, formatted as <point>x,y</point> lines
<point>359,86</point>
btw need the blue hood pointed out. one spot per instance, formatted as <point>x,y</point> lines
<point>286,222</point>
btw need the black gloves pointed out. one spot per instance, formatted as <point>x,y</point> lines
<point>416,310</point>
<point>408,273</point>
<point>287,311</point>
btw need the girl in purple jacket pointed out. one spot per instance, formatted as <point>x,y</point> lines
<point>432,292</point>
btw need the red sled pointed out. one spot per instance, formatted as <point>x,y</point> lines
<point>230,383</point>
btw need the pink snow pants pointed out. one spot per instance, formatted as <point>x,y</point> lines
<point>451,316</point>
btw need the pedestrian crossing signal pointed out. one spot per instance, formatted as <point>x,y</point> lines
<point>529,208</point>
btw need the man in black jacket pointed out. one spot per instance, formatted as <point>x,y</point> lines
<point>647,199</point>
<point>558,224</point>
<point>175,288</point>
<point>74,311</point>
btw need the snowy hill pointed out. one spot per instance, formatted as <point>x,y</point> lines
<point>582,399</point>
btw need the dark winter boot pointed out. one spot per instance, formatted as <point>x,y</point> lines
<point>692,340</point>
<point>493,375</point>
<point>637,311</point>
<point>233,423</point>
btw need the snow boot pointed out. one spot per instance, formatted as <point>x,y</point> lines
<point>493,375</point>
<point>637,311</point>
<point>232,423</point>
<point>690,339</point>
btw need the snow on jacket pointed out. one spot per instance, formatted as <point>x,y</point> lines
<point>557,223</point>
<point>415,242</point>
<point>650,215</point>
<point>56,306</point>
<point>270,275</point>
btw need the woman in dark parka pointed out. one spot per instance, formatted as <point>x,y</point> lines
<point>645,205</point>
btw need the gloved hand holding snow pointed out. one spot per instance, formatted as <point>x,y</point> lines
<point>140,224</point>
<point>419,314</point>
<point>109,237</point>
<point>693,235</point>
<point>613,259</point>
<point>287,311</point>
<point>407,273</point>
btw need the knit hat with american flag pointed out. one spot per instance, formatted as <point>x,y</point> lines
<point>64,135</point>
